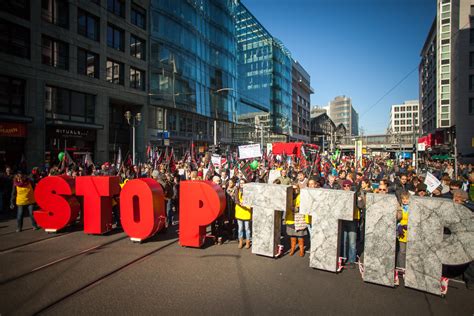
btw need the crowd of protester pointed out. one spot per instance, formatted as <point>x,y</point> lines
<point>377,175</point>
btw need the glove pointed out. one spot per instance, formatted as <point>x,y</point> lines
<point>12,206</point>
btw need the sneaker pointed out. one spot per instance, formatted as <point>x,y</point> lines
<point>219,241</point>
<point>18,230</point>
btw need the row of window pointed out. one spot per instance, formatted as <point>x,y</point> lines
<point>404,108</point>
<point>57,12</point>
<point>405,122</point>
<point>15,40</point>
<point>65,104</point>
<point>56,54</point>
<point>403,115</point>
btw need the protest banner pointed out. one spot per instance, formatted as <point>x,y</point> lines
<point>250,151</point>
<point>431,182</point>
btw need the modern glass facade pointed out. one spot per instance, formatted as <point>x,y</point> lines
<point>264,79</point>
<point>193,67</point>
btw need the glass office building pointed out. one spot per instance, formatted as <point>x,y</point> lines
<point>264,82</point>
<point>193,71</point>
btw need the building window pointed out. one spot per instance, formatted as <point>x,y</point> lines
<point>471,30</point>
<point>88,25</point>
<point>14,39</point>
<point>471,59</point>
<point>19,8</point>
<point>114,72</point>
<point>55,53</point>
<point>12,95</point>
<point>88,63</point>
<point>471,82</point>
<point>471,106</point>
<point>115,37</point>
<point>116,7</point>
<point>137,47</point>
<point>55,12</point>
<point>138,16</point>
<point>64,104</point>
<point>137,79</point>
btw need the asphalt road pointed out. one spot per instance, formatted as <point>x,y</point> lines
<point>75,273</point>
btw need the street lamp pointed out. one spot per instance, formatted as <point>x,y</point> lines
<point>133,121</point>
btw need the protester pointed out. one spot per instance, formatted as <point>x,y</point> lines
<point>23,197</point>
<point>402,229</point>
<point>243,214</point>
<point>296,223</point>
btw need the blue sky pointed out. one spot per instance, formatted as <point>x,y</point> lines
<point>357,48</point>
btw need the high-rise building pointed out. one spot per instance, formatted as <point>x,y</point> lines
<point>447,77</point>
<point>427,83</point>
<point>193,72</point>
<point>342,112</point>
<point>264,82</point>
<point>404,118</point>
<point>301,103</point>
<point>68,72</point>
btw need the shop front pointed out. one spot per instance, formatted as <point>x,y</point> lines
<point>12,143</point>
<point>77,141</point>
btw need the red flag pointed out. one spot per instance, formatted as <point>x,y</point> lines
<point>171,163</point>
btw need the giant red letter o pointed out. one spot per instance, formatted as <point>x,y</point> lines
<point>142,209</point>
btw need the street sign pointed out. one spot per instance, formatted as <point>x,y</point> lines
<point>166,142</point>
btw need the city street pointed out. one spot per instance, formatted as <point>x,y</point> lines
<point>74,273</point>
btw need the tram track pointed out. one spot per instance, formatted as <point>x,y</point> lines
<point>9,249</point>
<point>102,278</point>
<point>57,261</point>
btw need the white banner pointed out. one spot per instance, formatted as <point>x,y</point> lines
<point>216,160</point>
<point>249,151</point>
<point>431,182</point>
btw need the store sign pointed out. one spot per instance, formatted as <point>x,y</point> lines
<point>12,130</point>
<point>142,210</point>
<point>71,132</point>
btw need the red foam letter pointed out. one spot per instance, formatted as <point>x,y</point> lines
<point>98,193</point>
<point>142,208</point>
<point>58,207</point>
<point>200,203</point>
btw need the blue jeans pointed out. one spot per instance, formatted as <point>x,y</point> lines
<point>241,224</point>
<point>169,212</point>
<point>19,216</point>
<point>349,239</point>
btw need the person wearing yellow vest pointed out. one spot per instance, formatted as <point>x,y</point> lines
<point>23,196</point>
<point>296,223</point>
<point>402,229</point>
<point>243,214</point>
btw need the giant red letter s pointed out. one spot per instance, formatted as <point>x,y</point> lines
<point>200,203</point>
<point>59,207</point>
<point>142,209</point>
<point>98,193</point>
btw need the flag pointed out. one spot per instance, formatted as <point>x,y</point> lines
<point>149,153</point>
<point>88,160</point>
<point>118,160</point>
<point>171,163</point>
<point>68,159</point>
<point>161,157</point>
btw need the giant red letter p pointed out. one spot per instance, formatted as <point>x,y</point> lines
<point>59,207</point>
<point>200,203</point>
